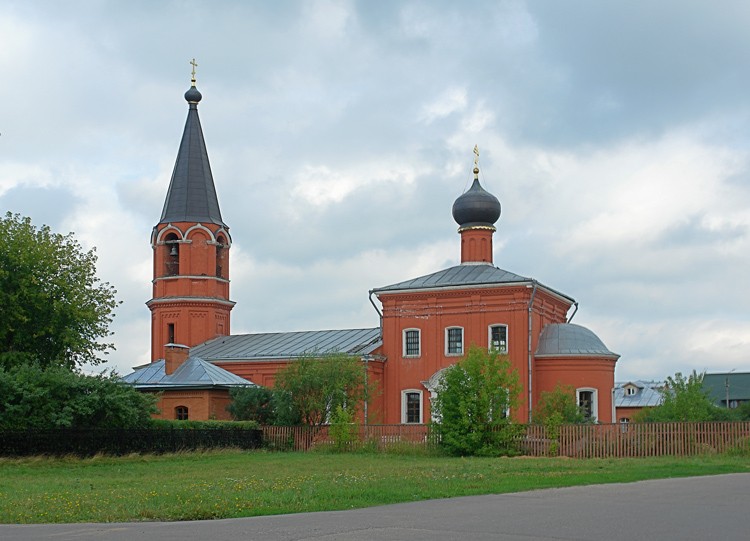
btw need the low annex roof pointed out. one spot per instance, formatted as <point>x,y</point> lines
<point>647,395</point>
<point>570,340</point>
<point>287,345</point>
<point>193,373</point>
<point>462,276</point>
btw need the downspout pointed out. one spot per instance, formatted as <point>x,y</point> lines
<point>575,303</point>
<point>366,359</point>
<point>380,314</point>
<point>531,305</point>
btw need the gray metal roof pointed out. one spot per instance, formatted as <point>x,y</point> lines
<point>193,373</point>
<point>287,345</point>
<point>647,395</point>
<point>192,194</point>
<point>570,340</point>
<point>460,275</point>
<point>737,383</point>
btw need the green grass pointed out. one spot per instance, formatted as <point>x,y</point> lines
<point>242,484</point>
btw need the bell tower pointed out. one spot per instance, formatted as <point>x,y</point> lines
<point>191,245</point>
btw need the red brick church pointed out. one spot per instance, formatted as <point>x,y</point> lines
<point>425,323</point>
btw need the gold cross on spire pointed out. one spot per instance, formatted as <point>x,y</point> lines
<point>476,161</point>
<point>195,65</point>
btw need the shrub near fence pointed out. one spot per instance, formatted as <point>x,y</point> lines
<point>575,441</point>
<point>89,442</point>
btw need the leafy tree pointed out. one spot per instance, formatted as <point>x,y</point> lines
<point>54,308</point>
<point>559,406</point>
<point>262,405</point>
<point>472,402</point>
<point>56,397</point>
<point>317,385</point>
<point>684,399</point>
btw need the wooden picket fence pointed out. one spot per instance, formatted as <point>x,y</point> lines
<point>575,441</point>
<point>377,437</point>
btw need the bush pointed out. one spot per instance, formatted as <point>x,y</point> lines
<point>252,404</point>
<point>472,404</point>
<point>342,429</point>
<point>56,397</point>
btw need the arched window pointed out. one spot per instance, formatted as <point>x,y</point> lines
<point>181,413</point>
<point>172,255</point>
<point>454,341</point>
<point>411,343</point>
<point>411,406</point>
<point>221,254</point>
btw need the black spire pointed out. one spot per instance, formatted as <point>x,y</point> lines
<point>192,194</point>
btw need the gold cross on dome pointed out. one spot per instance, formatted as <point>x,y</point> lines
<point>476,155</point>
<point>195,65</point>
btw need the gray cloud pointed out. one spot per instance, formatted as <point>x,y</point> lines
<point>341,132</point>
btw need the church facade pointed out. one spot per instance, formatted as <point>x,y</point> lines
<point>426,323</point>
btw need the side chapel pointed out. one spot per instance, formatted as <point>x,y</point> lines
<point>426,323</point>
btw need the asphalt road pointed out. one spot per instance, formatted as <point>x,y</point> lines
<point>700,508</point>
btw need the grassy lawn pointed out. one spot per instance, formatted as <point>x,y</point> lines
<point>242,484</point>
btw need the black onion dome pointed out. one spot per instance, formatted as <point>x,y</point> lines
<point>476,207</point>
<point>192,95</point>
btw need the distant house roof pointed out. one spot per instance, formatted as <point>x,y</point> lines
<point>648,394</point>
<point>465,275</point>
<point>570,340</point>
<point>288,345</point>
<point>737,383</point>
<point>194,373</point>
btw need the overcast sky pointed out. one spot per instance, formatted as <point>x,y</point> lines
<point>615,135</point>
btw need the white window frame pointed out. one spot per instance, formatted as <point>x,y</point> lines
<point>463,337</point>
<point>404,395</point>
<point>631,390</point>
<point>419,342</point>
<point>594,400</point>
<point>507,406</point>
<point>489,337</point>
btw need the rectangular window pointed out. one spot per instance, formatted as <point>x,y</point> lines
<point>454,341</point>
<point>170,333</point>
<point>413,407</point>
<point>586,403</point>
<point>499,338</point>
<point>411,343</point>
<point>181,413</point>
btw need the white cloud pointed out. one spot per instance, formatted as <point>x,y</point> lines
<point>450,101</point>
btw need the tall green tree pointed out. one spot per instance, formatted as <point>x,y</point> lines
<point>472,405</point>
<point>318,384</point>
<point>53,308</point>
<point>684,399</point>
